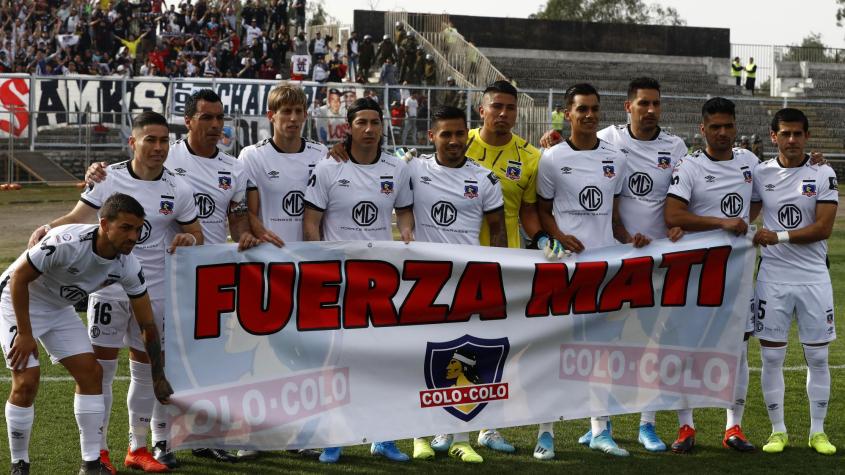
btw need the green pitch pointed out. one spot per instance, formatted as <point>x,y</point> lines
<point>55,444</point>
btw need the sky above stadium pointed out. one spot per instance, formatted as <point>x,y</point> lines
<point>750,21</point>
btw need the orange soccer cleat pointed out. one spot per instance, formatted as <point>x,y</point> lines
<point>142,459</point>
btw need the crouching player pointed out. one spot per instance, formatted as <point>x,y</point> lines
<point>37,295</point>
<point>799,202</point>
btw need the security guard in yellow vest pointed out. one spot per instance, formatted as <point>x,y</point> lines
<point>736,71</point>
<point>750,75</point>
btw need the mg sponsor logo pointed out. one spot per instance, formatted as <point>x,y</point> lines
<point>365,213</point>
<point>444,213</point>
<point>732,205</point>
<point>640,184</point>
<point>146,230</point>
<point>591,198</point>
<point>789,216</point>
<point>205,205</point>
<point>294,203</point>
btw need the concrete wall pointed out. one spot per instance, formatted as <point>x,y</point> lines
<point>520,33</point>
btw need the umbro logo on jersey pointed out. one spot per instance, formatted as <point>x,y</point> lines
<point>425,179</point>
<point>566,170</point>
<point>808,189</point>
<point>166,205</point>
<point>72,293</point>
<point>471,191</point>
<point>770,187</point>
<point>180,171</point>
<point>625,151</point>
<point>710,178</point>
<point>72,270</point>
<point>365,213</point>
<point>609,171</point>
<point>343,182</point>
<point>663,162</point>
<point>273,174</point>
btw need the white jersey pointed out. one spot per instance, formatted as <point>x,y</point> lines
<point>649,165</point>
<point>216,182</point>
<point>167,200</point>
<point>789,197</point>
<point>358,200</point>
<point>450,203</point>
<point>280,180</point>
<point>583,184</point>
<point>71,269</point>
<point>715,188</point>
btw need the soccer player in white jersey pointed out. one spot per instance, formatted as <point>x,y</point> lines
<point>578,185</point>
<point>278,169</point>
<point>167,200</point>
<point>453,196</point>
<point>711,189</point>
<point>219,185</point>
<point>354,200</point>
<point>37,294</point>
<point>799,202</point>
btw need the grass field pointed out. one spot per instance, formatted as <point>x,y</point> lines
<point>55,446</point>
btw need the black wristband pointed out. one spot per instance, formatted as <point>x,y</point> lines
<point>536,239</point>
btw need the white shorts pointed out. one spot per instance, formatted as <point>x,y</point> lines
<point>811,304</point>
<point>111,323</point>
<point>61,333</point>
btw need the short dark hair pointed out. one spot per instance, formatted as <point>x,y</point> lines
<point>149,118</point>
<point>718,105</point>
<point>642,83</point>
<point>503,87</point>
<point>789,114</point>
<point>200,95</point>
<point>580,89</point>
<point>362,104</point>
<point>446,113</point>
<point>121,203</point>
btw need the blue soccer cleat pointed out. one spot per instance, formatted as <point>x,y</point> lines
<point>493,440</point>
<point>330,455</point>
<point>389,451</point>
<point>545,448</point>
<point>649,438</point>
<point>605,443</point>
<point>441,442</point>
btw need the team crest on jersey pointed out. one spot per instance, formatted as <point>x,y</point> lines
<point>664,162</point>
<point>387,187</point>
<point>808,189</point>
<point>471,191</point>
<point>514,170</point>
<point>224,182</point>
<point>464,375</point>
<point>609,171</point>
<point>166,207</point>
<point>746,174</point>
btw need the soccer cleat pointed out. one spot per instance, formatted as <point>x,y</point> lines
<point>685,441</point>
<point>441,442</point>
<point>214,454</point>
<point>20,468</point>
<point>605,443</point>
<point>330,454</point>
<point>493,440</point>
<point>648,437</point>
<point>735,439</point>
<point>94,467</point>
<point>464,452</point>
<point>821,444</point>
<point>422,449</point>
<point>545,448</point>
<point>586,438</point>
<point>164,454</point>
<point>776,443</point>
<point>106,461</point>
<point>389,451</point>
<point>142,459</point>
<point>244,454</point>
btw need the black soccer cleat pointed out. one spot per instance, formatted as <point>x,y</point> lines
<point>165,455</point>
<point>94,467</point>
<point>217,455</point>
<point>20,468</point>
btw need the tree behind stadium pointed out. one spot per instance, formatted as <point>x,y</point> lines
<point>610,11</point>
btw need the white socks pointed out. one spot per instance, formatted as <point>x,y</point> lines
<point>546,427</point>
<point>818,385</point>
<point>735,413</point>
<point>685,418</point>
<point>160,422</point>
<point>648,417</point>
<point>88,409</point>
<point>139,401</point>
<point>109,370</point>
<point>771,379</point>
<point>460,437</point>
<point>19,428</point>
<point>598,424</point>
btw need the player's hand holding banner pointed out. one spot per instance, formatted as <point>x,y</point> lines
<point>326,344</point>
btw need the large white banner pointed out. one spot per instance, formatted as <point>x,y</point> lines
<point>326,344</point>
